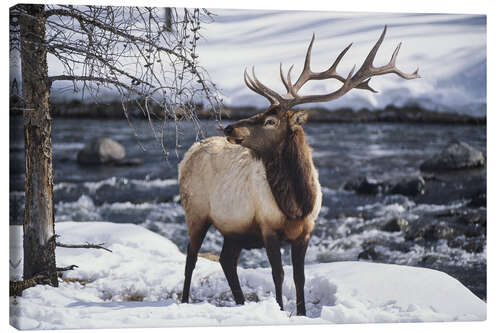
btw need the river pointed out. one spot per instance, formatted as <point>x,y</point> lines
<point>349,226</point>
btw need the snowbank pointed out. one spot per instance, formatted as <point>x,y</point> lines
<point>139,284</point>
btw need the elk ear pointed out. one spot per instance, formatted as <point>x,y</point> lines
<point>297,119</point>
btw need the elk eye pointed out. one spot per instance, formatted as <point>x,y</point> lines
<point>270,122</point>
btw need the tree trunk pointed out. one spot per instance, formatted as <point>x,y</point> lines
<point>39,240</point>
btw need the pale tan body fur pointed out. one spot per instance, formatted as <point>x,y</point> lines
<point>223,183</point>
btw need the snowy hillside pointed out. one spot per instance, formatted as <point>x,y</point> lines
<point>450,51</point>
<point>138,285</point>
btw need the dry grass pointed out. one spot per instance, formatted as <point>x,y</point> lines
<point>72,280</point>
<point>209,256</point>
<point>133,298</point>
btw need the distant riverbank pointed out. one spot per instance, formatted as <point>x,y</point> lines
<point>407,114</point>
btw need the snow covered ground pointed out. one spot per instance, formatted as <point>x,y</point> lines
<point>139,283</point>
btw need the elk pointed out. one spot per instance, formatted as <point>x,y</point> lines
<point>258,185</point>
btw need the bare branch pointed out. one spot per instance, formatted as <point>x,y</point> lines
<point>105,62</point>
<point>94,79</point>
<point>132,51</point>
<point>67,268</point>
<point>83,246</point>
<point>114,30</point>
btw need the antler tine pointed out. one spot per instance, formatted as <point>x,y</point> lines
<point>348,85</point>
<point>368,63</point>
<point>261,87</point>
<point>255,88</point>
<point>307,61</point>
<point>288,84</point>
<point>330,73</point>
<point>395,54</point>
<point>365,85</point>
<point>307,74</point>
<point>368,70</point>
<point>306,71</point>
<point>333,69</point>
<point>289,80</point>
<point>395,70</point>
<point>349,77</point>
<point>248,82</point>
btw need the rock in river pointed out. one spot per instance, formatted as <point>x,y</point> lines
<point>409,187</point>
<point>455,156</point>
<point>395,225</point>
<point>368,254</point>
<point>438,231</point>
<point>101,151</point>
<point>364,185</point>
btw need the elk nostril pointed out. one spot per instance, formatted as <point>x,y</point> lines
<point>228,130</point>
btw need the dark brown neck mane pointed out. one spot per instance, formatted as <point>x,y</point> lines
<point>289,173</point>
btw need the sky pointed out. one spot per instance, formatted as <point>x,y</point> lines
<point>448,49</point>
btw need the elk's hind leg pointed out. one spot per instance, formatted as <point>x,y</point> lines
<point>229,259</point>
<point>196,236</point>
<point>272,244</point>
<point>299,248</point>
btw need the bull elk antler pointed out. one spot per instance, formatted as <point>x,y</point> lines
<point>360,80</point>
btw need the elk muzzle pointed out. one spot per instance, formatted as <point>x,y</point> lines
<point>236,135</point>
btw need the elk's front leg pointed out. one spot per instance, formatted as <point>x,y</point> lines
<point>196,237</point>
<point>229,260</point>
<point>272,244</point>
<point>299,248</point>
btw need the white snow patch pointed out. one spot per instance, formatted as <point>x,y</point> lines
<point>149,269</point>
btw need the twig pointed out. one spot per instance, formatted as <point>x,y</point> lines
<point>67,268</point>
<point>83,246</point>
<point>94,79</point>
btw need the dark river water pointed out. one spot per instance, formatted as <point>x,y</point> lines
<point>350,225</point>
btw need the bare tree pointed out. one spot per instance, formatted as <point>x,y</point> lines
<point>148,56</point>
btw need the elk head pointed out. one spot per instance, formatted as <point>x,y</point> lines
<point>263,132</point>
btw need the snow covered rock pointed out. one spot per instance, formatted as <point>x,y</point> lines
<point>101,151</point>
<point>455,156</point>
<point>139,283</point>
